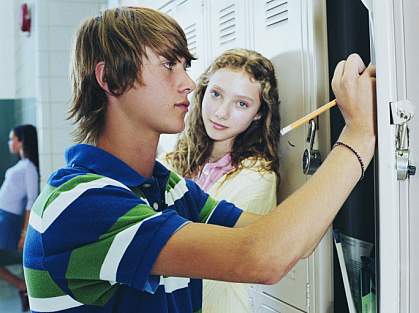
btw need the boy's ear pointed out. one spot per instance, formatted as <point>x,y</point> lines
<point>100,73</point>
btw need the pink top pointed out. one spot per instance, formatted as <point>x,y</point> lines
<point>213,172</point>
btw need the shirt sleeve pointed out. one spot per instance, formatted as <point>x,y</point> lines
<point>212,211</point>
<point>31,185</point>
<point>113,238</point>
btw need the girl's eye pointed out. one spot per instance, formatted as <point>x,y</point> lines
<point>170,65</point>
<point>214,93</point>
<point>242,104</point>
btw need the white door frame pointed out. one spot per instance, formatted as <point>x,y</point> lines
<point>394,204</point>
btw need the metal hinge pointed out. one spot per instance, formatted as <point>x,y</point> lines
<point>308,297</point>
<point>402,112</point>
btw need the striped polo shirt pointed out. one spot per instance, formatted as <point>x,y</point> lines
<point>97,228</point>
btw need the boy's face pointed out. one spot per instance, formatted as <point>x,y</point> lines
<point>161,103</point>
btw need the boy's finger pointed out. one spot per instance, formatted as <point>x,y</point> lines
<point>354,66</point>
<point>337,75</point>
<point>371,70</point>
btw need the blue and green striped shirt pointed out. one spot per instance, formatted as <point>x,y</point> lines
<point>97,228</point>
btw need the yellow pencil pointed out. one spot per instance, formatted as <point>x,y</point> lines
<point>308,117</point>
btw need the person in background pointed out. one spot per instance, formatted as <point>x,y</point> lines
<point>17,195</point>
<point>116,231</point>
<point>229,147</point>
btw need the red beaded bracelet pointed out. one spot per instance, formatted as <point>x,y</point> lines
<point>340,143</point>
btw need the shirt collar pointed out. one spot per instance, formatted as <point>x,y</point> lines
<point>220,163</point>
<point>103,163</point>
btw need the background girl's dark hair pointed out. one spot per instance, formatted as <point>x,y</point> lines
<point>258,142</point>
<point>28,136</point>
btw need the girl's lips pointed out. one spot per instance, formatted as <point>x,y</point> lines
<point>218,126</point>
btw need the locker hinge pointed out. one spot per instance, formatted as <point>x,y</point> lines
<point>401,113</point>
<point>308,297</point>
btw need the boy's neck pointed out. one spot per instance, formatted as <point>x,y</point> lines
<point>139,154</point>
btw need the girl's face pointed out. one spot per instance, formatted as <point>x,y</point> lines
<point>231,103</point>
<point>14,144</point>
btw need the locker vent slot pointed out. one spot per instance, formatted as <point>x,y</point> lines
<point>276,12</point>
<point>227,24</point>
<point>191,37</point>
<point>166,7</point>
<point>182,2</point>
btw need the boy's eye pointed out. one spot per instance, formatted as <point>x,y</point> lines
<point>169,65</point>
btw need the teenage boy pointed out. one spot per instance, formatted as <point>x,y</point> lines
<point>115,231</point>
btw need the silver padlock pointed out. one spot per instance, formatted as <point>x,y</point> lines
<point>311,158</point>
<point>402,112</point>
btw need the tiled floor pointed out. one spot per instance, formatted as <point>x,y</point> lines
<point>9,297</point>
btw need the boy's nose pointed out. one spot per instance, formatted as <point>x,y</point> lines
<point>189,85</point>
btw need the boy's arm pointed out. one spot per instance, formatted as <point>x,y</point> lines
<point>264,251</point>
<point>267,249</point>
<point>247,218</point>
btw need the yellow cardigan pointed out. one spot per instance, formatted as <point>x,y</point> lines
<point>255,192</point>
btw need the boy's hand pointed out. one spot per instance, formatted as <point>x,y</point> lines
<point>354,87</point>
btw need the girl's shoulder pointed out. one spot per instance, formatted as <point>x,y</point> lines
<point>256,164</point>
<point>250,169</point>
<point>26,167</point>
<point>27,164</point>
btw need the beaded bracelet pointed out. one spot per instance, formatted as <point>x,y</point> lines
<point>339,143</point>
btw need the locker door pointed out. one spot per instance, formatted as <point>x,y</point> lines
<point>411,12</point>
<point>285,32</point>
<point>277,36</point>
<point>168,8</point>
<point>397,75</point>
<point>267,304</point>
<point>189,14</point>
<point>277,26</point>
<point>227,25</point>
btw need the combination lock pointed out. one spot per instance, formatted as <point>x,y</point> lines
<point>311,158</point>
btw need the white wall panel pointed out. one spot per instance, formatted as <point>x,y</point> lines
<point>8,22</point>
<point>54,32</point>
<point>25,53</point>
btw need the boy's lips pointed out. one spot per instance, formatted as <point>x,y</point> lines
<point>183,105</point>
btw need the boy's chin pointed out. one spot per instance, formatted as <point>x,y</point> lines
<point>174,130</point>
